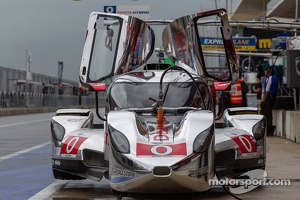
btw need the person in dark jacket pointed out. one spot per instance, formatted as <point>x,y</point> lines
<point>270,88</point>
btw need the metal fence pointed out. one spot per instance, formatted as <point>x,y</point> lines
<point>22,99</point>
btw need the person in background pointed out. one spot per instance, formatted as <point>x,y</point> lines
<point>238,94</point>
<point>259,85</point>
<point>270,88</point>
<point>258,89</point>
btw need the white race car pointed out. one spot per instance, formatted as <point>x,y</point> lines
<point>159,130</point>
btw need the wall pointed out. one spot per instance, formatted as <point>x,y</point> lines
<point>287,124</point>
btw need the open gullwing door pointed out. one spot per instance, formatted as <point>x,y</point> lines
<point>202,42</point>
<point>114,44</point>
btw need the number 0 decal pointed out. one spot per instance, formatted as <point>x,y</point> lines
<point>246,144</point>
<point>71,146</point>
<point>161,150</point>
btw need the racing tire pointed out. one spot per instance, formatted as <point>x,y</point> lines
<point>65,176</point>
<point>117,194</point>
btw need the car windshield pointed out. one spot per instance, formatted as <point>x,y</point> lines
<point>135,95</point>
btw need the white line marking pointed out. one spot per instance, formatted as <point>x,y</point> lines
<point>20,123</point>
<point>47,192</point>
<point>23,151</point>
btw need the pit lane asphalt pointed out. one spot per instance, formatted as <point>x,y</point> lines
<point>25,167</point>
<point>24,155</point>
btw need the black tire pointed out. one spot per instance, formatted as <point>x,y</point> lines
<point>65,176</point>
<point>119,195</point>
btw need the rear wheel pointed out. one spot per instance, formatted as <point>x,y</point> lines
<point>65,176</point>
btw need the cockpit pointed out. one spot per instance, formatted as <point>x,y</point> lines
<point>144,95</point>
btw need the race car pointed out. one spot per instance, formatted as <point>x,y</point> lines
<point>240,144</point>
<point>160,133</point>
<point>71,129</point>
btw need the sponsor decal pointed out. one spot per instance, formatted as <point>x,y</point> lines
<point>56,151</point>
<point>161,132</point>
<point>140,11</point>
<point>106,139</point>
<point>71,146</point>
<point>161,150</point>
<point>261,161</point>
<point>74,120</point>
<point>260,150</point>
<point>126,173</point>
<point>246,144</point>
<point>240,44</point>
<point>57,162</point>
<point>198,172</point>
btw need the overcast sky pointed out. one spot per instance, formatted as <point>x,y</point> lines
<point>54,30</point>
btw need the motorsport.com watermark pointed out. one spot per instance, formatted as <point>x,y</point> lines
<point>255,178</point>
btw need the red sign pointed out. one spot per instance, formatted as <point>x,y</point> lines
<point>71,145</point>
<point>161,150</point>
<point>246,143</point>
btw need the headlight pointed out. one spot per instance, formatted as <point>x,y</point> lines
<point>203,140</point>
<point>119,141</point>
<point>259,129</point>
<point>57,130</point>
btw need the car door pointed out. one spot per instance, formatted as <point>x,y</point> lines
<point>114,44</point>
<point>203,43</point>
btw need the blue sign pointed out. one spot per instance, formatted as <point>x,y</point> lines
<point>110,9</point>
<point>240,43</point>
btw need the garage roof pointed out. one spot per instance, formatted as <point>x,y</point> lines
<point>284,8</point>
<point>249,10</point>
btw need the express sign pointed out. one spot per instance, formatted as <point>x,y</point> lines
<point>240,43</point>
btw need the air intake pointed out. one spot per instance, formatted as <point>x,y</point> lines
<point>161,171</point>
<point>93,158</point>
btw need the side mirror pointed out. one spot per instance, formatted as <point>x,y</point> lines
<point>98,86</point>
<point>222,86</point>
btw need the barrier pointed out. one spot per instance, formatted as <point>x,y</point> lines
<point>16,103</point>
<point>251,100</point>
<point>23,100</point>
<point>287,124</point>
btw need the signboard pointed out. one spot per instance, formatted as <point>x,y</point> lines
<point>139,11</point>
<point>240,43</point>
<point>293,68</point>
<point>60,71</point>
<point>28,65</point>
<point>282,39</point>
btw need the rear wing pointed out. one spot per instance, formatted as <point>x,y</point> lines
<point>73,112</point>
